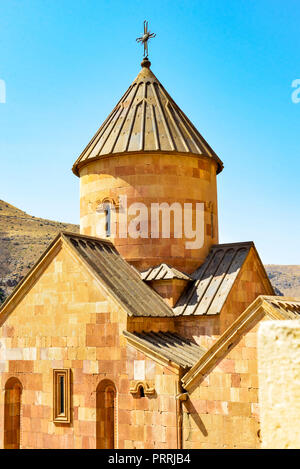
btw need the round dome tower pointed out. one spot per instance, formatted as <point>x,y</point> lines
<point>148,181</point>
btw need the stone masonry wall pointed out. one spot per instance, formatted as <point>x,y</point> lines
<point>223,409</point>
<point>67,321</point>
<point>279,379</point>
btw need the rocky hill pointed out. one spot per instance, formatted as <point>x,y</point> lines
<point>23,238</point>
<point>286,278</point>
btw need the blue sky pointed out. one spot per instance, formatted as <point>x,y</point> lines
<point>229,64</point>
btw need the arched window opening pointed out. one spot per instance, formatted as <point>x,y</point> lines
<point>12,414</point>
<point>106,208</point>
<point>107,212</point>
<point>106,415</point>
<point>141,392</point>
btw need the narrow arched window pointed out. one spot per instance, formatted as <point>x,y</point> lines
<point>107,220</point>
<point>105,209</point>
<point>106,415</point>
<point>12,414</point>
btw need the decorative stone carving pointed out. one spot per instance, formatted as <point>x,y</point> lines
<point>148,387</point>
<point>102,205</point>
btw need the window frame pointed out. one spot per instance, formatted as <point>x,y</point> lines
<point>60,416</point>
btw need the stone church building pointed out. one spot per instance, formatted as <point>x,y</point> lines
<point>122,336</point>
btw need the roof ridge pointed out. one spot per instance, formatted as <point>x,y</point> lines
<point>84,236</point>
<point>242,243</point>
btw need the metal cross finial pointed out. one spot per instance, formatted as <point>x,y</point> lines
<point>145,38</point>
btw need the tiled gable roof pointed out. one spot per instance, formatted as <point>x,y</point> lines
<point>213,280</point>
<point>122,281</point>
<point>164,272</point>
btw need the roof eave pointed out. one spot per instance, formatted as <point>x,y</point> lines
<point>80,163</point>
<point>159,358</point>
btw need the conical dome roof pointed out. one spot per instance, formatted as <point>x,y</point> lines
<point>146,119</point>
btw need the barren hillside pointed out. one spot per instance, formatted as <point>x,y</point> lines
<point>23,238</point>
<point>286,278</point>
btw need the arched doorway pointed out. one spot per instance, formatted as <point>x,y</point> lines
<point>12,414</point>
<point>106,415</point>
